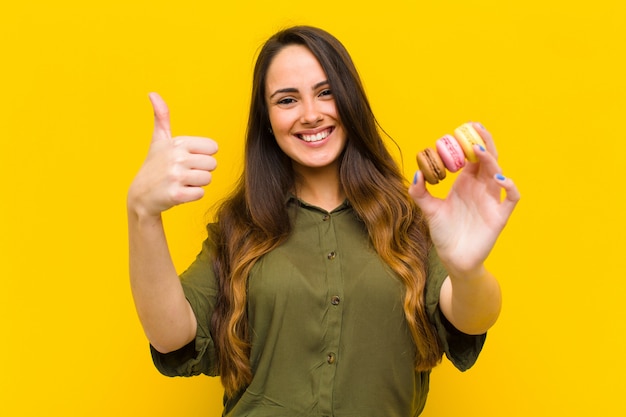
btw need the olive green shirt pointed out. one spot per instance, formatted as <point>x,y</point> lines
<point>328,332</point>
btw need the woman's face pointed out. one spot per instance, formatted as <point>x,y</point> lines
<point>302,110</point>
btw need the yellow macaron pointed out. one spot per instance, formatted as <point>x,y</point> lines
<point>467,137</point>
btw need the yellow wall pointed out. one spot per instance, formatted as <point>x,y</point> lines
<point>547,78</point>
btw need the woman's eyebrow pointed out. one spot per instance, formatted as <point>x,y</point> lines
<point>295,90</point>
<point>320,84</point>
<point>284,90</point>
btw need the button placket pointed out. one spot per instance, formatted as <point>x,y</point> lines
<point>334,285</point>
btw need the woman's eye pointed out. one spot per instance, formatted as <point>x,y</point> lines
<point>286,100</point>
<point>326,92</point>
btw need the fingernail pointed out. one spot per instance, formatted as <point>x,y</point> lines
<point>500,177</point>
<point>482,148</point>
<point>481,126</point>
<point>415,177</point>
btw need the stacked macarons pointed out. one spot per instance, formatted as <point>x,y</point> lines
<point>451,153</point>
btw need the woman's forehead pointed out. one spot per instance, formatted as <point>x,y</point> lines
<point>294,65</point>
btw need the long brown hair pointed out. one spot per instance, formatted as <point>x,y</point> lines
<point>251,222</point>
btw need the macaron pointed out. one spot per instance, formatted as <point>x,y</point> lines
<point>451,153</point>
<point>431,165</point>
<point>467,137</point>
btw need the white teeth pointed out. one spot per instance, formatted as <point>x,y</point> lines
<point>315,138</point>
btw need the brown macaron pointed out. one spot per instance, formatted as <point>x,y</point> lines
<point>431,165</point>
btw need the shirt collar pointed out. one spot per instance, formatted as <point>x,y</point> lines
<point>292,198</point>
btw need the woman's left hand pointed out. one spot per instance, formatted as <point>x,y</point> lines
<point>466,224</point>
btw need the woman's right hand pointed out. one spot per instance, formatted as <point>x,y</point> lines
<point>175,169</point>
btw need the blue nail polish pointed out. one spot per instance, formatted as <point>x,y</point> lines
<point>415,177</point>
<point>500,177</point>
<point>481,126</point>
<point>482,148</point>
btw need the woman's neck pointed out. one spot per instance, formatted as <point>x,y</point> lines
<point>320,187</point>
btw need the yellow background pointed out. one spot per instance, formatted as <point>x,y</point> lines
<point>547,78</point>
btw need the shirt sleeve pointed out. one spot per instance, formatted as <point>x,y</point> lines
<point>460,348</point>
<point>199,356</point>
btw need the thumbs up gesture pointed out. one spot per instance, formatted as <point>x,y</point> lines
<point>175,169</point>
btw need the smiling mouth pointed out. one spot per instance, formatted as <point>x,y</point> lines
<point>316,137</point>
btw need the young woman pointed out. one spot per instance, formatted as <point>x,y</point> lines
<point>327,286</point>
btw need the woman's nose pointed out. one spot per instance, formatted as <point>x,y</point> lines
<point>311,114</point>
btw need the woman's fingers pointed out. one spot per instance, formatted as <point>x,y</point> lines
<point>162,128</point>
<point>511,194</point>
<point>490,145</point>
<point>176,168</point>
<point>425,201</point>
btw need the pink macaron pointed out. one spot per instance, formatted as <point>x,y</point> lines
<point>451,153</point>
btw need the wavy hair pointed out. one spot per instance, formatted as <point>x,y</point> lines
<point>251,222</point>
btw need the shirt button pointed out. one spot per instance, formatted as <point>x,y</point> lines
<point>335,300</point>
<point>326,217</point>
<point>330,358</point>
<point>332,255</point>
